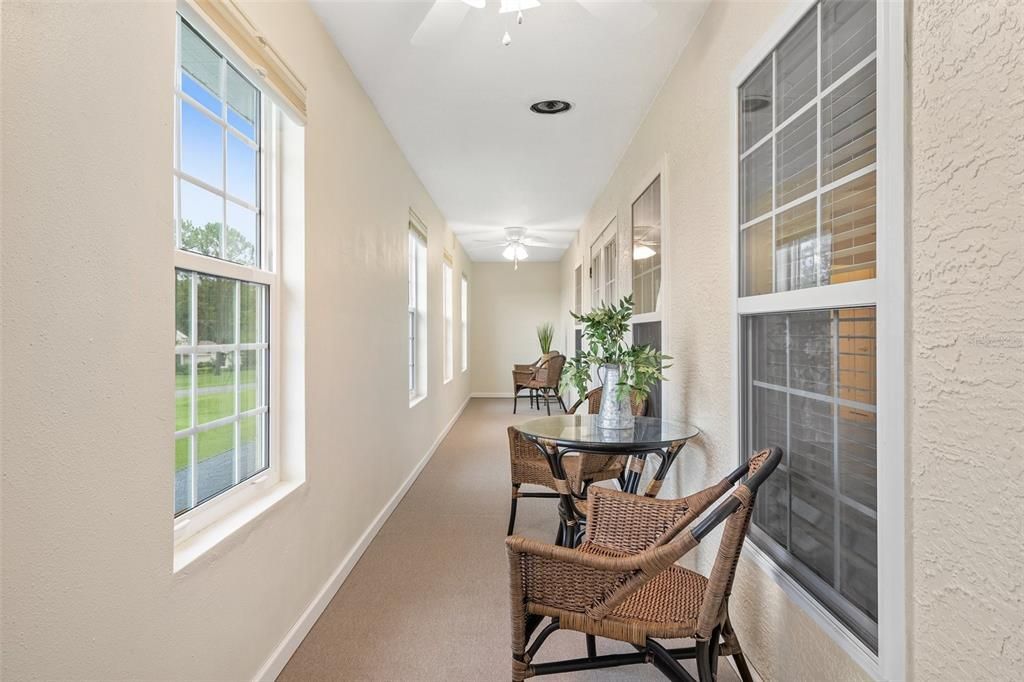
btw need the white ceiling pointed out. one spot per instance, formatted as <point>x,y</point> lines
<point>459,109</point>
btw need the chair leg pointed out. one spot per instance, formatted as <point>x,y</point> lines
<point>515,402</point>
<point>591,646</point>
<point>713,652</point>
<point>703,661</point>
<point>512,511</point>
<point>732,643</point>
<point>741,668</point>
<point>547,401</point>
<point>562,402</point>
<point>666,664</point>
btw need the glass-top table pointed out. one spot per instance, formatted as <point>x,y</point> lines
<point>579,434</point>
<point>581,430</point>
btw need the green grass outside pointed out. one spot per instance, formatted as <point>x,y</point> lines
<point>214,406</point>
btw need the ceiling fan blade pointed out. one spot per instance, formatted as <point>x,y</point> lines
<point>536,241</point>
<point>628,16</point>
<point>440,24</point>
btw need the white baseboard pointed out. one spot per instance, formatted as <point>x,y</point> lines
<point>275,663</point>
<point>491,395</point>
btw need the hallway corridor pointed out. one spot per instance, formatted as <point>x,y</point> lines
<point>429,598</point>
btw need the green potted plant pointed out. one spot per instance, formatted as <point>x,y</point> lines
<point>545,334</point>
<point>621,368</point>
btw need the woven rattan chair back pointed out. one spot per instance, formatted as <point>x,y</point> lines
<point>549,373</point>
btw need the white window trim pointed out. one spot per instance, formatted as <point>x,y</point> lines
<point>262,490</point>
<point>464,320</point>
<point>448,319</point>
<point>609,233</point>
<point>415,227</point>
<point>660,313</point>
<point>887,294</point>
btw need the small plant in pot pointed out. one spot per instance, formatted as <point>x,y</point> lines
<point>621,368</point>
<point>545,334</point>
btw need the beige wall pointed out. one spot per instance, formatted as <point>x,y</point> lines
<point>966,504</point>
<point>506,307</point>
<point>966,363</point>
<point>87,474</point>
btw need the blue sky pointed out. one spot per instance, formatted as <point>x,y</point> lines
<point>202,156</point>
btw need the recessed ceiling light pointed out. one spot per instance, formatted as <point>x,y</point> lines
<point>550,106</point>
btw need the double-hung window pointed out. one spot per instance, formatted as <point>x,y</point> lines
<point>464,301</point>
<point>417,244</point>
<point>448,315</point>
<point>807,164</point>
<point>225,275</point>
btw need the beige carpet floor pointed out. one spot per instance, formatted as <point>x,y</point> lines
<point>429,598</point>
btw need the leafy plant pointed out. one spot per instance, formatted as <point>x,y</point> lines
<point>545,334</point>
<point>604,332</point>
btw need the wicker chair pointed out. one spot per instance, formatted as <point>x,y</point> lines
<point>593,400</point>
<point>622,582</point>
<point>545,382</point>
<point>530,466</point>
<point>523,374</point>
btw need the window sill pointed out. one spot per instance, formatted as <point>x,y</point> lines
<point>199,544</point>
<point>413,402</point>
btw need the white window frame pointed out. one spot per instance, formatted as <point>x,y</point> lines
<point>600,268</point>
<point>447,316</point>
<point>464,321</point>
<point>577,283</point>
<point>670,409</point>
<point>267,273</point>
<point>887,294</point>
<point>416,259</point>
<point>660,170</point>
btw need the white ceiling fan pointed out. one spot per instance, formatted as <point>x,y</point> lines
<point>514,244</point>
<point>445,16</point>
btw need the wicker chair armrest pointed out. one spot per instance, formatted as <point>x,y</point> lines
<point>528,369</point>
<point>518,545</point>
<point>571,580</point>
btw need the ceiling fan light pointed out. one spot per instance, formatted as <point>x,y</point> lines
<point>642,252</point>
<point>515,252</point>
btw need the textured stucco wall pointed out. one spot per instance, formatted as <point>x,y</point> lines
<point>967,347</point>
<point>689,131</point>
<point>87,475</point>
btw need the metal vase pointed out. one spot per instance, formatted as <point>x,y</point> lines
<point>615,412</point>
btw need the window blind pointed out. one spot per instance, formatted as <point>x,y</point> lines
<point>245,38</point>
